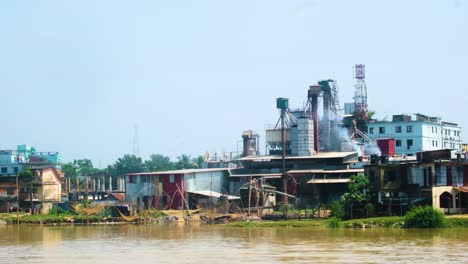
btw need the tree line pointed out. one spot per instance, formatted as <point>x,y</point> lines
<point>132,164</point>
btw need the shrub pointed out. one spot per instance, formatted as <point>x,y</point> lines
<point>333,222</point>
<point>424,217</point>
<point>337,210</point>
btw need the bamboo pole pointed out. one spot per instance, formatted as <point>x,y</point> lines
<point>17,200</point>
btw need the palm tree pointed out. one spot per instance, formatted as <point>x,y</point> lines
<point>185,162</point>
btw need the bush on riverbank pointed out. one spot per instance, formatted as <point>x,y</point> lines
<point>333,222</point>
<point>424,217</point>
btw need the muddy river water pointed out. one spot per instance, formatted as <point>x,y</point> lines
<point>218,244</point>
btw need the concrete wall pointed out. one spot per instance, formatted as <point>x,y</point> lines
<point>51,190</point>
<point>425,135</point>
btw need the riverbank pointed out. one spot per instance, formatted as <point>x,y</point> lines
<point>453,221</point>
<point>456,221</point>
<point>25,218</point>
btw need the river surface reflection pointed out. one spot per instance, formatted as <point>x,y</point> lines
<point>218,244</point>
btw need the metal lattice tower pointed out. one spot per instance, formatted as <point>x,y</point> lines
<point>136,144</point>
<point>360,96</point>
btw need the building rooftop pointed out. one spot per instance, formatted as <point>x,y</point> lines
<point>416,118</point>
<point>185,171</point>
<point>320,155</point>
<point>327,171</point>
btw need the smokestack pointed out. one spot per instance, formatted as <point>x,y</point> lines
<point>326,113</point>
<point>313,94</point>
<point>246,137</point>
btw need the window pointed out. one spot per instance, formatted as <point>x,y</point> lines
<point>382,130</point>
<point>409,143</point>
<point>371,130</point>
<point>398,129</point>
<point>389,176</point>
<point>409,129</point>
<point>398,143</point>
<point>15,169</point>
<point>171,178</point>
<point>131,179</point>
<point>10,191</point>
<point>436,143</point>
<point>4,169</point>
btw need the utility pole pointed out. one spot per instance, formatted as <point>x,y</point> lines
<point>282,104</point>
<point>17,199</point>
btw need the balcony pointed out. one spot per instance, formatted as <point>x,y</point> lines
<point>25,196</point>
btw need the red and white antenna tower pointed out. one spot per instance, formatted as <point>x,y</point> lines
<point>360,96</point>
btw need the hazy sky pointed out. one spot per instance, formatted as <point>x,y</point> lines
<point>76,76</point>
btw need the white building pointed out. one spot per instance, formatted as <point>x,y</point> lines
<point>416,133</point>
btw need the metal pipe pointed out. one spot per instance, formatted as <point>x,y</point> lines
<point>316,122</point>
<point>283,157</point>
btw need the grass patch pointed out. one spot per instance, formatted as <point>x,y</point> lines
<point>388,222</point>
<point>289,223</point>
<point>456,222</point>
<point>24,218</point>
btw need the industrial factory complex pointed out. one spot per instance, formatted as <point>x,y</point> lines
<point>311,153</point>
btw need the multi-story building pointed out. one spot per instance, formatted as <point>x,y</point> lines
<point>417,133</point>
<point>13,161</point>
<point>438,178</point>
<point>36,193</point>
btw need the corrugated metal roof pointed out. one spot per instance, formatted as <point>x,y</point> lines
<point>320,155</point>
<point>324,181</point>
<point>327,171</point>
<point>186,171</point>
<point>213,194</point>
<point>264,175</point>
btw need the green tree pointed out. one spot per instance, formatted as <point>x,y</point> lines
<point>84,167</point>
<point>370,114</point>
<point>358,195</point>
<point>26,173</point>
<point>185,162</point>
<point>198,161</point>
<point>128,164</point>
<point>70,171</point>
<point>158,162</point>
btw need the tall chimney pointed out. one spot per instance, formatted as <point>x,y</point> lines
<point>313,94</point>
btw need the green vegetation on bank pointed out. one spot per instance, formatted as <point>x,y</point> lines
<point>386,221</point>
<point>288,223</point>
<point>85,215</point>
<point>374,222</point>
<point>24,218</point>
<point>424,217</point>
